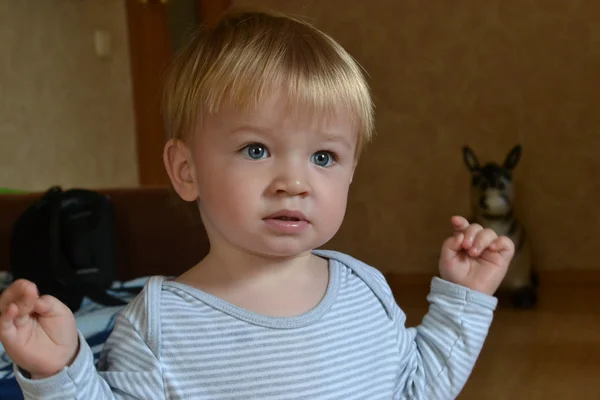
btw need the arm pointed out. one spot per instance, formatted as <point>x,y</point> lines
<point>128,369</point>
<point>440,354</point>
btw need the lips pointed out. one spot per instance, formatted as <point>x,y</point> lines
<point>288,215</point>
<point>287,222</point>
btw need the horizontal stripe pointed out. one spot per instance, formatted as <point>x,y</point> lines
<point>352,346</point>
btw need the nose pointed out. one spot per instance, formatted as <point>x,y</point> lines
<point>291,181</point>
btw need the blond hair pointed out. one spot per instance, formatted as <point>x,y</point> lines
<point>248,55</point>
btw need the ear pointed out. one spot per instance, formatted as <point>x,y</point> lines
<point>180,168</point>
<point>470,159</point>
<point>512,159</point>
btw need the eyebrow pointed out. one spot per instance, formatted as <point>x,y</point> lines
<point>337,138</point>
<point>246,128</point>
<point>329,136</point>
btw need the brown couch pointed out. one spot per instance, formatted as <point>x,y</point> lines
<point>154,236</point>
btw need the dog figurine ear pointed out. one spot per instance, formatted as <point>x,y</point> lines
<point>470,159</point>
<point>513,157</point>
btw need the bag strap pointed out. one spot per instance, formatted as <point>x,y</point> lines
<point>61,267</point>
<point>58,264</point>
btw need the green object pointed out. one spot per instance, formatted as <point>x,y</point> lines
<point>4,190</point>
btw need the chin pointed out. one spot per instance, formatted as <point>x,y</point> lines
<point>286,248</point>
<point>284,251</point>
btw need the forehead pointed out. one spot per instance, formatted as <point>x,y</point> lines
<point>492,175</point>
<point>276,113</point>
<point>492,171</point>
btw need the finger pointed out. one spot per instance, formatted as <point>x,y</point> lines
<point>483,239</point>
<point>452,246</point>
<point>504,246</point>
<point>7,325</point>
<point>13,292</point>
<point>48,306</point>
<point>459,223</point>
<point>470,234</point>
<point>26,300</point>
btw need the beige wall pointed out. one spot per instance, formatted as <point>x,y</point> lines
<point>488,74</point>
<point>484,73</point>
<point>66,115</point>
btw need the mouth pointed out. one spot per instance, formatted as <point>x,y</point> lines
<point>288,215</point>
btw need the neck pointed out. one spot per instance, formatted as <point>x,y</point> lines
<point>242,264</point>
<point>229,266</point>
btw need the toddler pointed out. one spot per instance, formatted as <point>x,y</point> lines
<point>267,117</point>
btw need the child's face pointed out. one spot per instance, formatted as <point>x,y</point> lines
<point>250,167</point>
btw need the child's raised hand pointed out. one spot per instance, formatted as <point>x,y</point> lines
<point>38,333</point>
<point>475,257</point>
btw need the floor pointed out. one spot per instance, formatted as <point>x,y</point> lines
<point>552,352</point>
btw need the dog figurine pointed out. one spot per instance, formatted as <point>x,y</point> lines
<point>492,201</point>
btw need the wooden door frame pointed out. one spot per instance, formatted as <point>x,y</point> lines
<point>150,51</point>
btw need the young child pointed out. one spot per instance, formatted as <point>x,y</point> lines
<point>267,117</point>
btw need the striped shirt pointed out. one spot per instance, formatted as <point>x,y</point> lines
<point>177,342</point>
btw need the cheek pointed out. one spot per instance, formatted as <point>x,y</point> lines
<point>334,196</point>
<point>227,189</point>
<point>332,210</point>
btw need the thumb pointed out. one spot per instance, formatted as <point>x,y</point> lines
<point>452,246</point>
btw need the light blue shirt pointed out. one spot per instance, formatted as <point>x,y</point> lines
<point>177,342</point>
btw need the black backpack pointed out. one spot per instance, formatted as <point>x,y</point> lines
<point>65,243</point>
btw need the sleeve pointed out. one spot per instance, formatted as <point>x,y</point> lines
<point>128,369</point>
<point>439,354</point>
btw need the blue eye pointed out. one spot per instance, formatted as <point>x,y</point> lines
<point>255,151</point>
<point>323,158</point>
